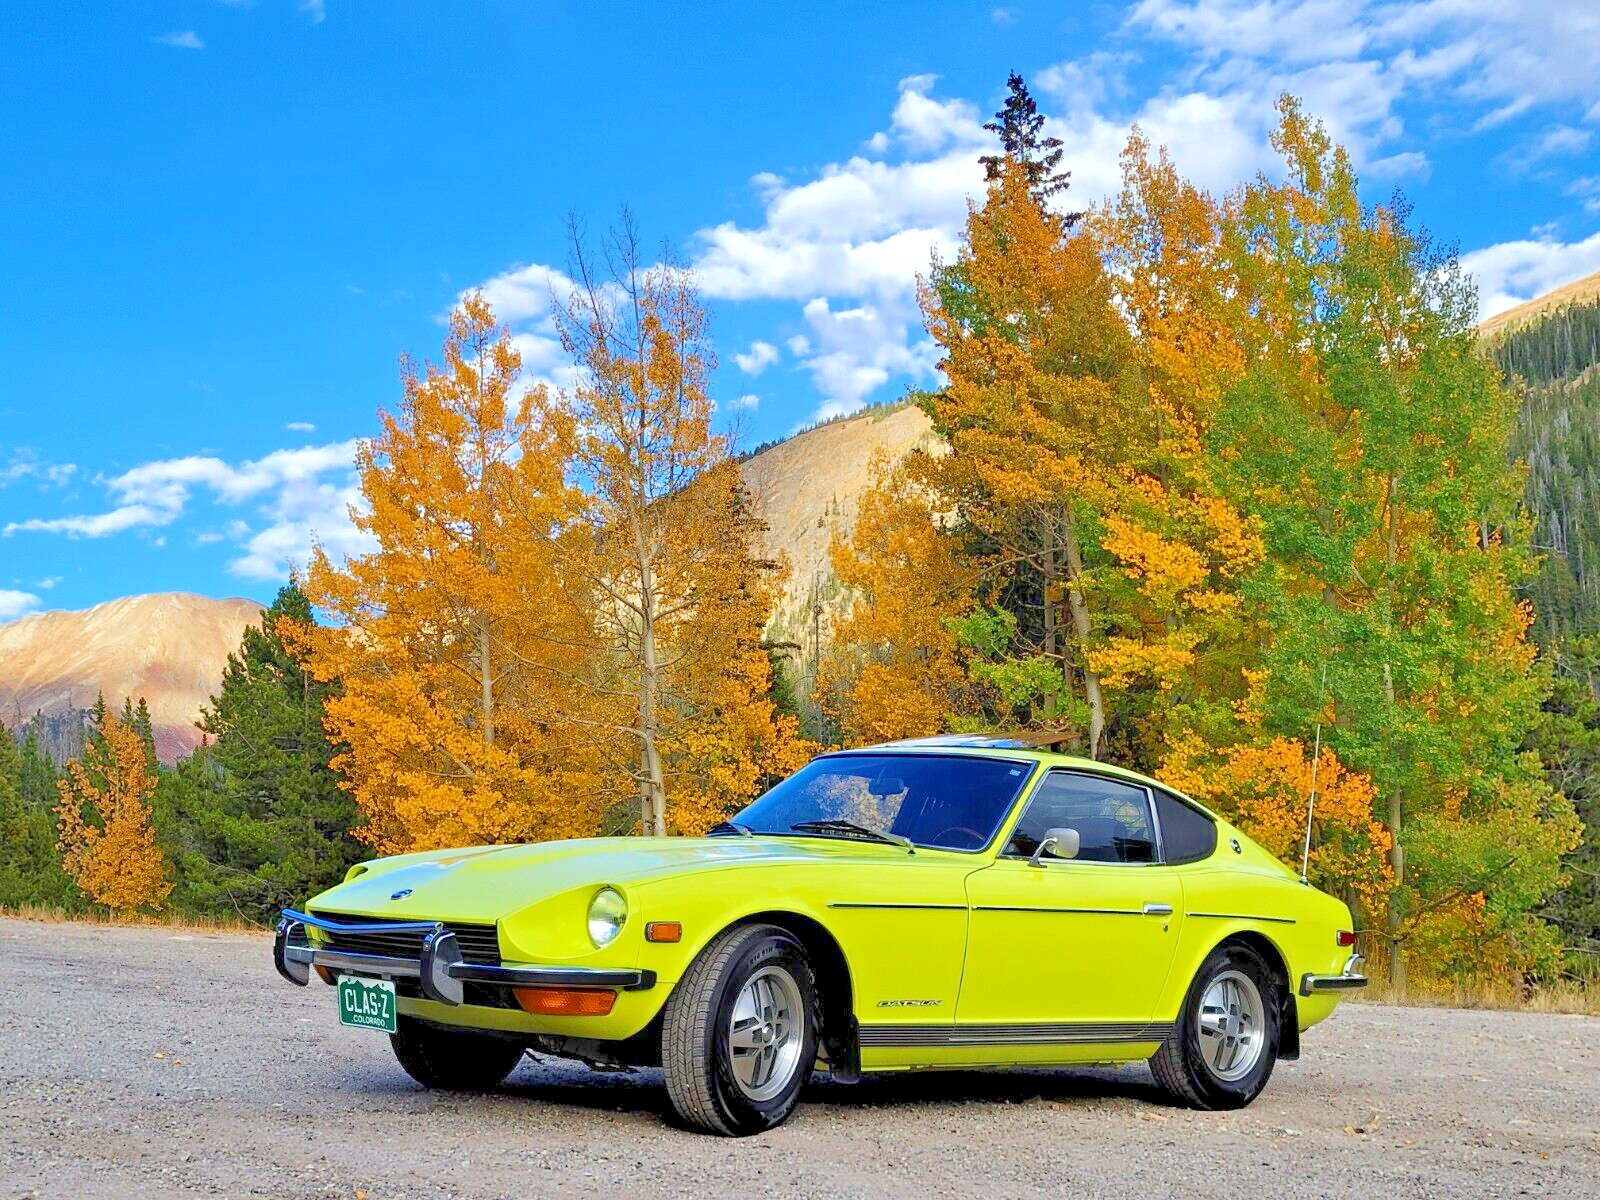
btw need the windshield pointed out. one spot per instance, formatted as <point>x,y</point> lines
<point>952,801</point>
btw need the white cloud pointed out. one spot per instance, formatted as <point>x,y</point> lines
<point>48,582</point>
<point>1512,272</point>
<point>187,39</point>
<point>315,9</point>
<point>118,520</point>
<point>304,494</point>
<point>925,125</point>
<point>758,358</point>
<point>1586,189</point>
<point>1504,56</point>
<point>1003,16</point>
<point>844,242</point>
<point>25,464</point>
<point>856,350</point>
<point>300,427</point>
<point>747,402</point>
<point>14,604</point>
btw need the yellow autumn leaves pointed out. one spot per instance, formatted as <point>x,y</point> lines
<point>107,841</point>
<point>1218,472</point>
<point>558,630</point>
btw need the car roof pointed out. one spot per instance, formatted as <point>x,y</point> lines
<point>1032,746</point>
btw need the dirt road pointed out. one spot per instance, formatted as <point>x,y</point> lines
<point>153,1063</point>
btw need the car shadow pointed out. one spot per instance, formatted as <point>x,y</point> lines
<point>909,1089</point>
<point>560,1083</point>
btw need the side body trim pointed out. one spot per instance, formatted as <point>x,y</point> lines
<point>1102,912</point>
<point>1245,917</point>
<point>1061,1033</point>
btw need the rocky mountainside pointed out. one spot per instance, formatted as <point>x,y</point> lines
<point>807,487</point>
<point>169,648</point>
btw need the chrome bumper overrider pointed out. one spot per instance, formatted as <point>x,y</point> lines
<point>1351,977</point>
<point>441,970</point>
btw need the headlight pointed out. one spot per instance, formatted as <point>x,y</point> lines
<point>608,912</point>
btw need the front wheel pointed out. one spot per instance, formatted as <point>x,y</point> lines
<point>1221,1052</point>
<point>453,1060</point>
<point>738,1039</point>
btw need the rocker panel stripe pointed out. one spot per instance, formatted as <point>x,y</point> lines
<point>1064,1033</point>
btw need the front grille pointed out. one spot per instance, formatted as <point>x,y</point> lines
<point>479,943</point>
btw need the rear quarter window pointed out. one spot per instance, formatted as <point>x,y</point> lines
<point>1187,835</point>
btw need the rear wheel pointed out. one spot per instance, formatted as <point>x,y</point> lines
<point>739,1037</point>
<point>456,1060</point>
<point>1222,1049</point>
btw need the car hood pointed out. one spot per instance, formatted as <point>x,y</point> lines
<point>485,883</point>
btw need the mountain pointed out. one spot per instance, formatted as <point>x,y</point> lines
<point>169,648</point>
<point>1551,348</point>
<point>806,488</point>
<point>1578,292</point>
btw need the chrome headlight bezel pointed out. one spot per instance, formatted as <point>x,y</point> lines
<point>606,916</point>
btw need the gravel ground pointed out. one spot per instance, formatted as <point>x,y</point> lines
<point>155,1063</point>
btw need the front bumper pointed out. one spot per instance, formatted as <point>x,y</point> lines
<point>1347,980</point>
<point>441,971</point>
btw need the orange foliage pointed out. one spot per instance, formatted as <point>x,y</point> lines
<point>457,719</point>
<point>113,856</point>
<point>1264,789</point>
<point>892,669</point>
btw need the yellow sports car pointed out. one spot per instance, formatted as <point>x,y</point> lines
<point>956,901</point>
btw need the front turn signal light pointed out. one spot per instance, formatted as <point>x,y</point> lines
<point>663,931</point>
<point>565,1002</point>
<point>1347,937</point>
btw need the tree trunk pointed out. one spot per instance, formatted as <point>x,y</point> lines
<point>486,679</point>
<point>652,788</point>
<point>1397,860</point>
<point>1080,626</point>
<point>1052,633</point>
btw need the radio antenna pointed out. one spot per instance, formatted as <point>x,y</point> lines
<point>1311,801</point>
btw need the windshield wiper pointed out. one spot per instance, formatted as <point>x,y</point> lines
<point>727,827</point>
<point>851,829</point>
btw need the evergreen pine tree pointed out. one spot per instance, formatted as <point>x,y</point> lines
<point>1019,125</point>
<point>256,818</point>
<point>30,867</point>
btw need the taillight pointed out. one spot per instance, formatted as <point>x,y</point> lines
<point>1347,937</point>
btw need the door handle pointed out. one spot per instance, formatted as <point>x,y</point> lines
<point>1158,910</point>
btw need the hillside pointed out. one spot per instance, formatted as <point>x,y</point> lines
<point>1551,347</point>
<point>807,487</point>
<point>169,648</point>
<point>1579,291</point>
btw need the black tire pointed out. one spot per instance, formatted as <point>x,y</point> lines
<point>695,1036</point>
<point>453,1060</point>
<point>1180,1066</point>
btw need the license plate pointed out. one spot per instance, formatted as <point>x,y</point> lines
<point>366,1003</point>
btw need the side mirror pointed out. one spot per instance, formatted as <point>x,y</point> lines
<point>1058,843</point>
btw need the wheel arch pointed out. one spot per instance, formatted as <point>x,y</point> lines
<point>1288,1013</point>
<point>835,988</point>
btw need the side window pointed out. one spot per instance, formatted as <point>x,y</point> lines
<point>1186,835</point>
<point>1112,818</point>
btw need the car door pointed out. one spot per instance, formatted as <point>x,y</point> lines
<point>1081,941</point>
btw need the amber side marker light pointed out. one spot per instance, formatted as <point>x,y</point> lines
<point>664,931</point>
<point>565,1002</point>
<point>1347,937</point>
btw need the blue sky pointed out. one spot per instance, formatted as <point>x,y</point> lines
<point>222,222</point>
